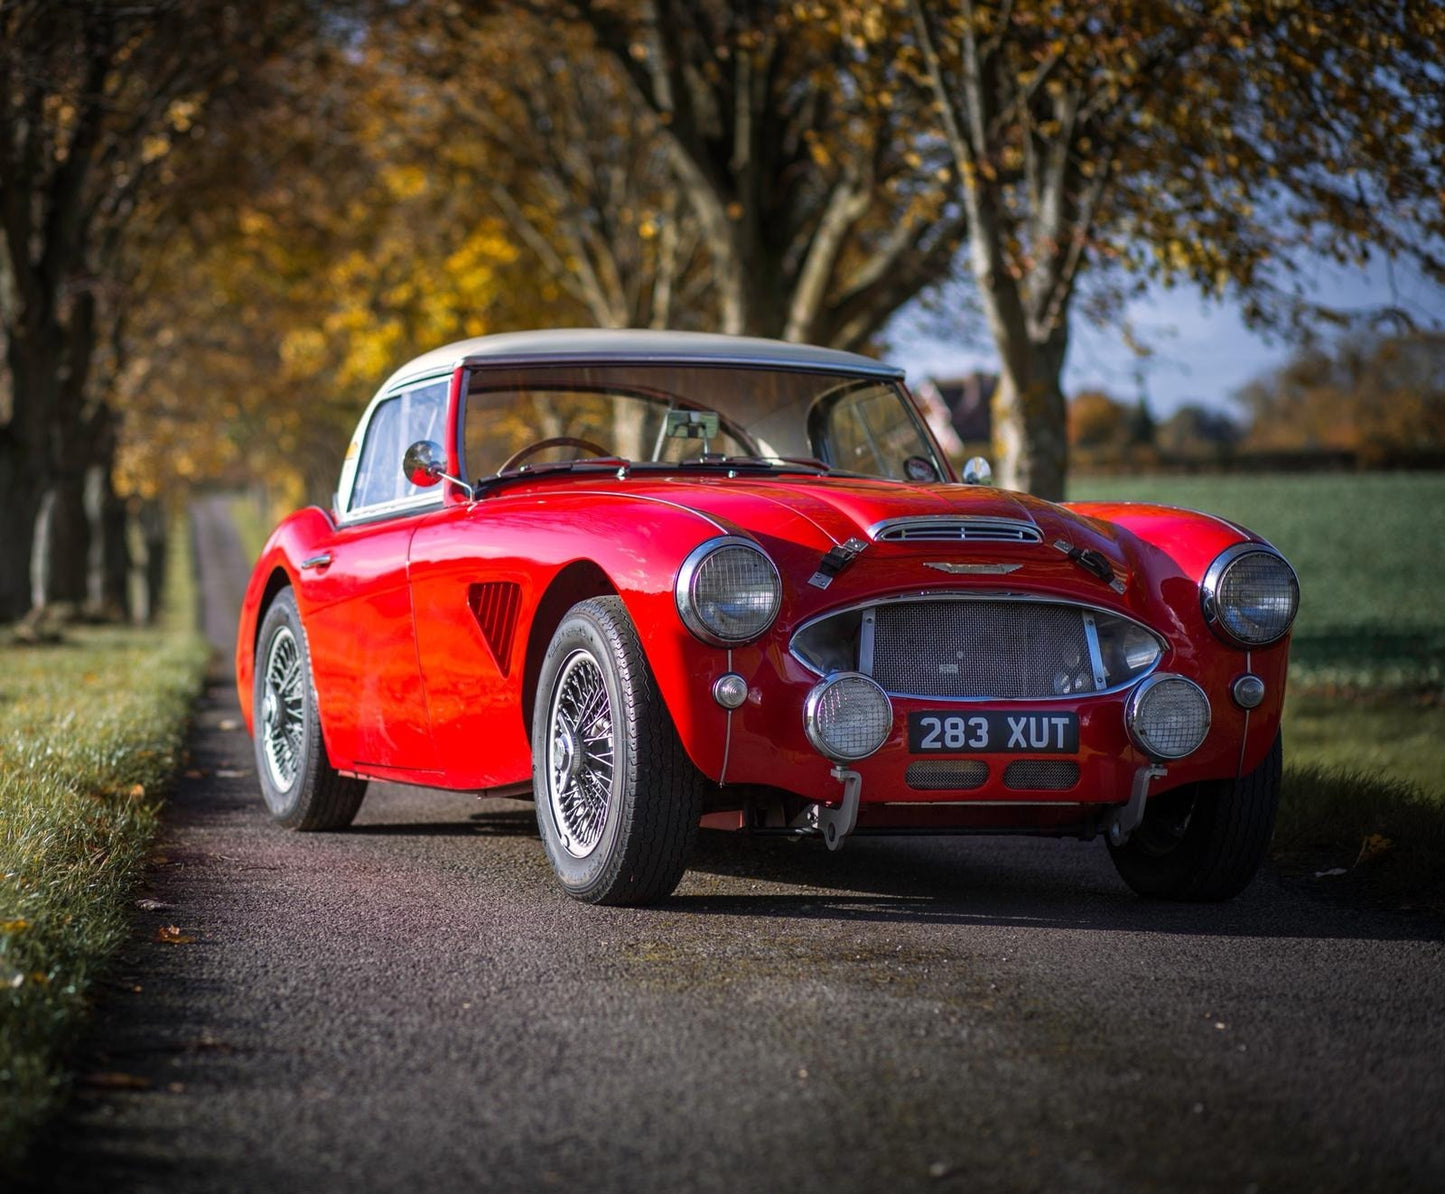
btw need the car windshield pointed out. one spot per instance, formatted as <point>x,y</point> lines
<point>765,418</point>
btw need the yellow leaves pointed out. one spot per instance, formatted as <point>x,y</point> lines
<point>19,925</point>
<point>172,935</point>
<point>154,147</point>
<point>1373,848</point>
<point>181,115</point>
<point>404,182</point>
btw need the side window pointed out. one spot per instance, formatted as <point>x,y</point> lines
<point>395,425</point>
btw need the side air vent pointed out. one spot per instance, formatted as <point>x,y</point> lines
<point>949,529</point>
<point>495,608</point>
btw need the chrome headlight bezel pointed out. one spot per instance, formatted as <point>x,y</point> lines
<point>685,591</point>
<point>813,711</point>
<point>1213,582</point>
<point>1134,705</point>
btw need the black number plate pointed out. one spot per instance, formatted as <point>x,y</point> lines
<point>976,732</point>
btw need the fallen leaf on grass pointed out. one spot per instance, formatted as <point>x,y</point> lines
<point>1375,846</point>
<point>14,926</point>
<point>149,905</point>
<point>228,773</point>
<point>114,1080</point>
<point>229,723</point>
<point>172,935</point>
<point>1331,873</point>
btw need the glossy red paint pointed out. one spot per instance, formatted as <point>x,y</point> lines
<point>409,686</point>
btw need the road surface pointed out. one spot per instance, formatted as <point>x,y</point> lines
<point>412,1005</point>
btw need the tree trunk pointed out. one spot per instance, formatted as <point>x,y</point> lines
<point>21,486</point>
<point>108,566</point>
<point>152,520</point>
<point>1030,437</point>
<point>61,545</point>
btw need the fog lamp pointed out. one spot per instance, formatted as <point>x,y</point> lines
<point>847,717</point>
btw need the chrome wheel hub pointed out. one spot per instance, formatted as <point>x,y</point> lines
<point>283,709</point>
<point>580,754</point>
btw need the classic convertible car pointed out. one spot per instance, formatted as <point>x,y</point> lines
<point>663,580</point>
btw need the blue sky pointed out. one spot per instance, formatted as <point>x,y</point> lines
<point>1202,352</point>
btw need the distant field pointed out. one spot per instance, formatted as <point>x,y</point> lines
<point>1370,552</point>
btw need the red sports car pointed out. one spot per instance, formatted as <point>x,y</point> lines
<point>663,580</point>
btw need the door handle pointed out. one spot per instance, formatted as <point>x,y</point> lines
<point>322,561</point>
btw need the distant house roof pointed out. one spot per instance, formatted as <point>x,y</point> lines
<point>968,399</point>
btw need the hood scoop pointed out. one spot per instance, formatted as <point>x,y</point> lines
<point>954,528</point>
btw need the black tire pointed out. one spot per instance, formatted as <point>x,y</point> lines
<point>301,788</point>
<point>1203,841</point>
<point>617,832</point>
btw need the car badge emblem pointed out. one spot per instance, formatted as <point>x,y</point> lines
<point>973,569</point>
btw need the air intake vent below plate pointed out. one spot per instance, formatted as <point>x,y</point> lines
<point>1041,775</point>
<point>940,776</point>
<point>947,529</point>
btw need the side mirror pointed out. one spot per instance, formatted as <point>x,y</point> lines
<point>976,471</point>
<point>424,463</point>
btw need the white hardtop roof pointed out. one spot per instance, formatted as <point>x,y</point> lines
<point>594,345</point>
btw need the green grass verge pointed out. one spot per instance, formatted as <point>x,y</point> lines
<point>252,526</point>
<point>90,734</point>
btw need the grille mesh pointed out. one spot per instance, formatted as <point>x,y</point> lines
<point>939,776</point>
<point>1052,775</point>
<point>1010,650</point>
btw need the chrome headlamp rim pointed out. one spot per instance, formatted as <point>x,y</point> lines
<point>1214,577</point>
<point>685,585</point>
<point>1131,713</point>
<point>810,716</point>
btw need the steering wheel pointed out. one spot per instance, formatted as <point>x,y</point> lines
<point>556,441</point>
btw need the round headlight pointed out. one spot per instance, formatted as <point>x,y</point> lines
<point>728,591</point>
<point>1167,716</point>
<point>847,717</point>
<point>1250,595</point>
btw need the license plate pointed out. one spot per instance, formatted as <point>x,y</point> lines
<point>987,731</point>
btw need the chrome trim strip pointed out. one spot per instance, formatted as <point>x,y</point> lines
<point>865,640</point>
<point>1029,531</point>
<point>985,595</point>
<point>686,600</point>
<point>1096,656</point>
<point>1214,575</point>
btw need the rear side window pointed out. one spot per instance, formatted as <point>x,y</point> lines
<point>395,425</point>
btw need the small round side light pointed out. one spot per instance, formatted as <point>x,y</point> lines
<point>730,690</point>
<point>1247,691</point>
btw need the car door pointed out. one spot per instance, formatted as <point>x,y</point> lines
<point>360,627</point>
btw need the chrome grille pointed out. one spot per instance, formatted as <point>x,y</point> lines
<point>1050,775</point>
<point>957,530</point>
<point>1008,650</point>
<point>941,776</point>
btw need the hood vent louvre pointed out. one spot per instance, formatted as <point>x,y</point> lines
<point>947,528</point>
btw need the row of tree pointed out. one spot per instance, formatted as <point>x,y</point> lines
<point>224,223</point>
<point>1372,401</point>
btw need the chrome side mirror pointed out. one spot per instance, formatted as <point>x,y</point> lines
<point>976,471</point>
<point>424,463</point>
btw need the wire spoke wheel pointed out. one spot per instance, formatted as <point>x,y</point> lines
<point>283,709</point>
<point>580,737</point>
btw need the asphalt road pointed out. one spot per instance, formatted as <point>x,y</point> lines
<point>413,1005</point>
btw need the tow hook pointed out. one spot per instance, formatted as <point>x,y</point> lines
<point>837,823</point>
<point>1126,819</point>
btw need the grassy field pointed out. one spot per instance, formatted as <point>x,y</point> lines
<point>90,734</point>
